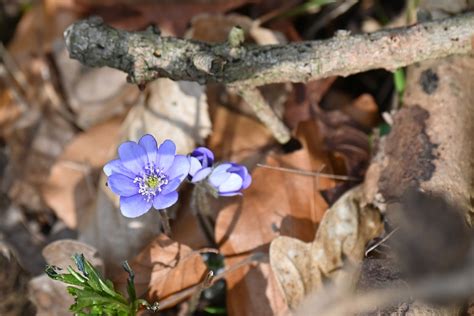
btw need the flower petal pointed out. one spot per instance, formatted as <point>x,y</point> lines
<point>201,174</point>
<point>133,156</point>
<point>247,181</point>
<point>195,165</point>
<point>134,206</point>
<point>122,185</point>
<point>116,166</point>
<point>219,175</point>
<point>204,155</point>
<point>233,183</point>
<point>179,169</point>
<point>166,154</point>
<point>171,186</point>
<point>163,201</point>
<point>148,142</point>
<point>231,193</point>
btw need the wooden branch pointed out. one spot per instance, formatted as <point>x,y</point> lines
<point>265,113</point>
<point>147,55</point>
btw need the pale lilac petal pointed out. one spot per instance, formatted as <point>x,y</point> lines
<point>230,193</point>
<point>233,183</point>
<point>151,147</point>
<point>171,186</point>
<point>219,175</point>
<point>222,168</point>
<point>179,169</point>
<point>166,154</point>
<point>247,181</point>
<point>204,155</point>
<point>134,206</point>
<point>201,174</point>
<point>122,185</point>
<point>195,165</point>
<point>133,156</point>
<point>239,169</point>
<point>163,201</point>
<point>116,166</point>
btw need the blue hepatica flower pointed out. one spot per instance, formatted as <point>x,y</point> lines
<point>200,160</point>
<point>229,179</point>
<point>146,175</point>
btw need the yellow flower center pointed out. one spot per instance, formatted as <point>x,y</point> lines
<point>153,181</point>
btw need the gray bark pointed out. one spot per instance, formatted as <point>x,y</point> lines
<point>147,55</point>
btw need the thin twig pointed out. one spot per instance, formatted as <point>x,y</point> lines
<point>377,244</point>
<point>310,173</point>
<point>338,10</point>
<point>177,297</point>
<point>254,98</point>
<point>194,301</point>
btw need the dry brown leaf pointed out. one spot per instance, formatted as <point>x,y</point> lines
<point>70,187</point>
<point>93,94</point>
<point>301,268</point>
<point>236,137</point>
<point>50,297</point>
<point>165,267</point>
<point>34,150</point>
<point>172,109</point>
<point>59,253</point>
<point>363,111</point>
<point>276,204</point>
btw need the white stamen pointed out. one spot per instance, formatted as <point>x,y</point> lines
<point>151,182</point>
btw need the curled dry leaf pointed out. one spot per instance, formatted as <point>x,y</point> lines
<point>71,186</point>
<point>49,296</point>
<point>275,204</point>
<point>59,253</point>
<point>93,94</point>
<point>172,109</point>
<point>301,268</point>
<point>165,267</point>
<point>236,137</point>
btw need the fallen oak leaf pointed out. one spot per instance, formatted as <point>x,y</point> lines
<point>275,204</point>
<point>70,187</point>
<point>163,268</point>
<point>345,229</point>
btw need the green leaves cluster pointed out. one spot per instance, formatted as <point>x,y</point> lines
<point>94,295</point>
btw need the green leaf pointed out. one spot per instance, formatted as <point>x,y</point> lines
<point>94,295</point>
<point>215,310</point>
<point>399,80</point>
<point>132,295</point>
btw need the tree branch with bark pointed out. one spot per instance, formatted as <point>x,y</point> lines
<point>147,55</point>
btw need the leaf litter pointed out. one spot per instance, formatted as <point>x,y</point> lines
<point>299,227</point>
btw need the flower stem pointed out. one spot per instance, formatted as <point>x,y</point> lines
<point>165,222</point>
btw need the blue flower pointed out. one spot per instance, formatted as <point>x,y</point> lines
<point>229,179</point>
<point>146,175</point>
<point>200,160</point>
